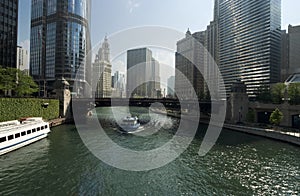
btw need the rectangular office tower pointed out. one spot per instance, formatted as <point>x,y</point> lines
<point>249,42</point>
<point>8,32</point>
<point>60,43</point>
<point>143,76</point>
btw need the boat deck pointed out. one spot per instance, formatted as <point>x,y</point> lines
<point>19,126</point>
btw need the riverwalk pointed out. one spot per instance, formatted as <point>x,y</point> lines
<point>289,137</point>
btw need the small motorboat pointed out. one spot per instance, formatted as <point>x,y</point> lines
<point>130,124</point>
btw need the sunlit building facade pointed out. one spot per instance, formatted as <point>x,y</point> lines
<point>102,72</point>
<point>249,42</point>
<point>143,75</point>
<point>189,63</point>
<point>60,43</point>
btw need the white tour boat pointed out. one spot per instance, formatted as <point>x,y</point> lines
<point>16,134</point>
<point>130,124</point>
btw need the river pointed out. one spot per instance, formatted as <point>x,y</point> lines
<point>239,164</point>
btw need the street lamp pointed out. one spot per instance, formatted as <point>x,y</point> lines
<point>44,105</point>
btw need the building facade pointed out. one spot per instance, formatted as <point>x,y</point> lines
<point>119,85</point>
<point>284,55</point>
<point>8,32</point>
<point>60,44</point>
<point>290,58</point>
<point>22,59</point>
<point>189,61</point>
<point>143,78</point>
<point>249,42</point>
<point>102,72</point>
<point>171,86</point>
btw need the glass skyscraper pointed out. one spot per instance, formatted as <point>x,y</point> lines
<point>8,32</point>
<point>60,43</point>
<point>249,41</point>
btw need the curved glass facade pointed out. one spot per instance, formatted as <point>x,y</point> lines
<point>61,39</point>
<point>249,34</point>
<point>78,7</point>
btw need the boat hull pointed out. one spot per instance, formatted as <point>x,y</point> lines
<point>16,146</point>
<point>19,134</point>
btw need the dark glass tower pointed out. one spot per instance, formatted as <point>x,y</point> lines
<point>60,42</point>
<point>8,32</point>
<point>249,41</point>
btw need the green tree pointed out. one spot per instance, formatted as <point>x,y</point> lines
<point>25,85</point>
<point>264,94</point>
<point>7,80</point>
<point>251,116</point>
<point>17,82</point>
<point>277,93</point>
<point>294,93</point>
<point>276,117</point>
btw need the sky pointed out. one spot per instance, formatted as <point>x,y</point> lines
<point>111,16</point>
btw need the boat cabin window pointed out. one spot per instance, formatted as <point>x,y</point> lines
<point>17,135</point>
<point>23,133</point>
<point>11,137</point>
<point>29,132</point>
<point>39,128</point>
<point>42,128</point>
<point>2,139</point>
<point>33,130</point>
<point>46,126</point>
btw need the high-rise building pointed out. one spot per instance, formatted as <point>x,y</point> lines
<point>119,85</point>
<point>212,61</point>
<point>290,52</point>
<point>22,58</point>
<point>171,86</point>
<point>189,61</point>
<point>284,56</point>
<point>102,71</point>
<point>143,78</point>
<point>294,49</point>
<point>8,32</point>
<point>60,44</point>
<point>249,42</point>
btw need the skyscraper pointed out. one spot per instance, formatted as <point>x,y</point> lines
<point>249,41</point>
<point>8,32</point>
<point>188,62</point>
<point>171,86</point>
<point>290,52</point>
<point>102,71</point>
<point>119,85</point>
<point>22,58</point>
<point>143,78</point>
<point>60,43</point>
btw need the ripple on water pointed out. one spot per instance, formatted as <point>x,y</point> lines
<point>238,164</point>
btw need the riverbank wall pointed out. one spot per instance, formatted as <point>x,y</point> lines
<point>288,137</point>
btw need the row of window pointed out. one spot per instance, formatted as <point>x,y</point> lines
<point>24,133</point>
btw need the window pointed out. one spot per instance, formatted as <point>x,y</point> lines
<point>17,135</point>
<point>11,137</point>
<point>29,132</point>
<point>33,130</point>
<point>2,139</point>
<point>42,128</point>
<point>46,126</point>
<point>38,129</point>
<point>23,133</point>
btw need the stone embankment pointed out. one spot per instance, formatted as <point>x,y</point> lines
<point>289,137</point>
